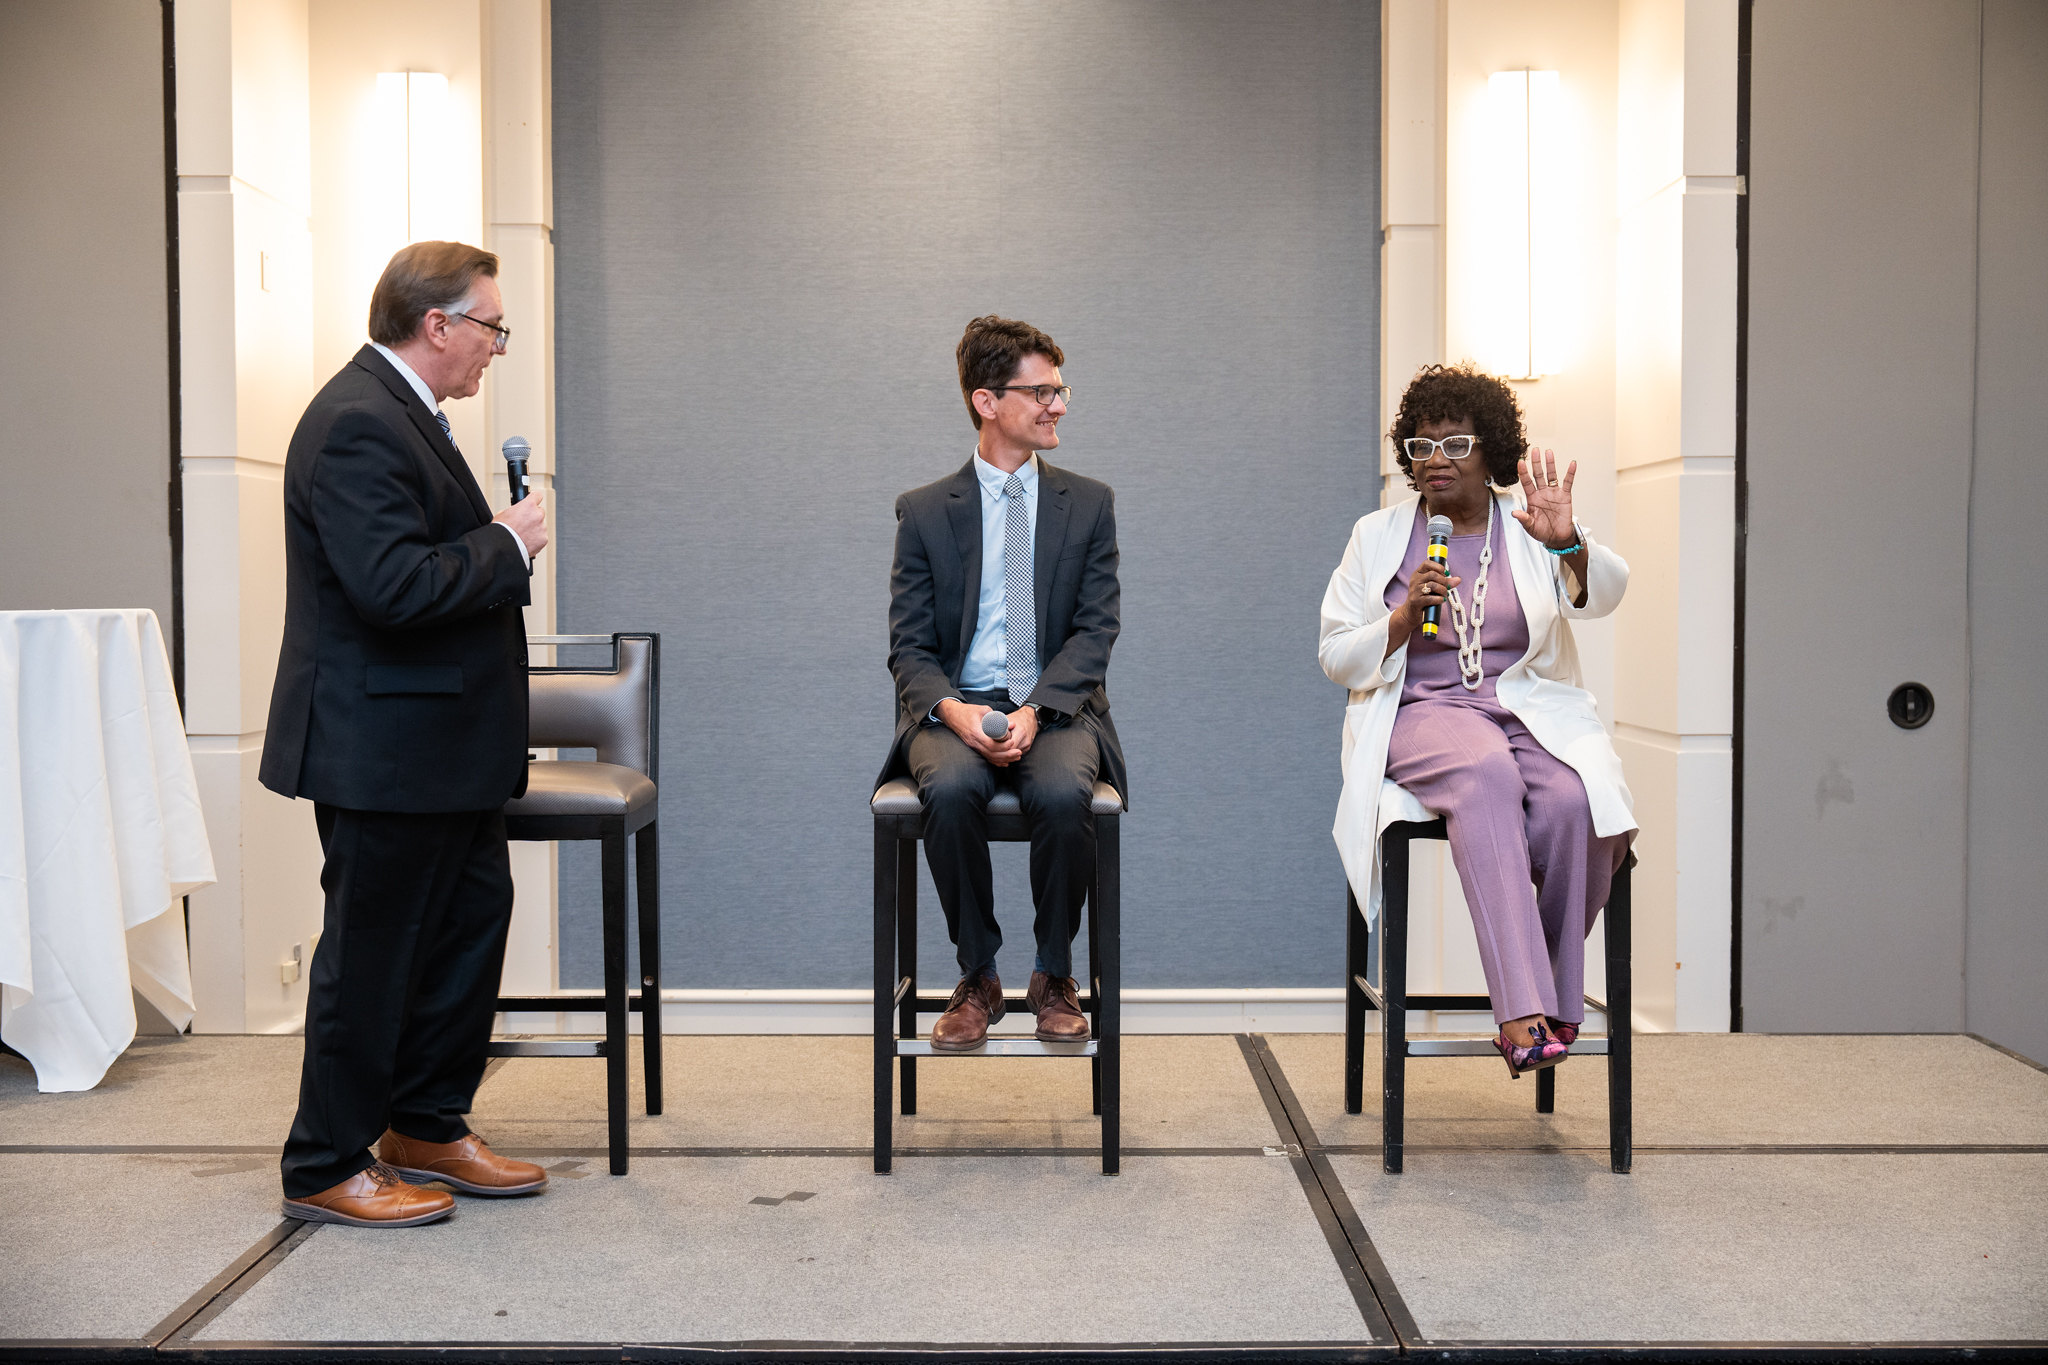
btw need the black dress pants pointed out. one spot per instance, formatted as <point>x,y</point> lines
<point>404,984</point>
<point>1054,782</point>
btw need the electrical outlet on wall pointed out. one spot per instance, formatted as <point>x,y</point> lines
<point>289,969</point>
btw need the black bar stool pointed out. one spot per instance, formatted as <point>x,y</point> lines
<point>614,709</point>
<point>899,824</point>
<point>1382,951</point>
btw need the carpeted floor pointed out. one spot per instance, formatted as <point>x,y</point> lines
<point>1524,1247</point>
<point>1786,1189</point>
<point>1027,1249</point>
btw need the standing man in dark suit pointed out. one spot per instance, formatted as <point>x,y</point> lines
<point>400,712</point>
<point>1004,598</point>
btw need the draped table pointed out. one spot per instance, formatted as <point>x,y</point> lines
<point>100,837</point>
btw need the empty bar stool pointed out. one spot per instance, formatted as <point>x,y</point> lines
<point>614,709</point>
<point>1376,977</point>
<point>899,823</point>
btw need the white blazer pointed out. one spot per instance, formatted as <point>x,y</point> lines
<point>1542,689</point>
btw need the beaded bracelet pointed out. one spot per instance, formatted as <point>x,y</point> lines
<point>1578,541</point>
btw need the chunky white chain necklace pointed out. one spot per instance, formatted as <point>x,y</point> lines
<point>1471,659</point>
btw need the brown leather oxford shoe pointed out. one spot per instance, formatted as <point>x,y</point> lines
<point>977,1002</point>
<point>469,1165</point>
<point>1057,1004</point>
<point>373,1198</point>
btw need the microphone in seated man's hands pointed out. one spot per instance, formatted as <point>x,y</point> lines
<point>995,725</point>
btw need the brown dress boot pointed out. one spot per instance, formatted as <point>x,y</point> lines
<point>468,1165</point>
<point>1057,1004</point>
<point>374,1198</point>
<point>977,1002</point>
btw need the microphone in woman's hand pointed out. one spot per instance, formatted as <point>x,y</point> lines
<point>995,725</point>
<point>1439,555</point>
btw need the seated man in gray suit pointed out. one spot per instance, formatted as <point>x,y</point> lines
<point>1003,597</point>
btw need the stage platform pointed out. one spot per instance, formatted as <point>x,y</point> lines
<point>1816,1198</point>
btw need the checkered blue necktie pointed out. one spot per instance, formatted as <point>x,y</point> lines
<point>446,430</point>
<point>1020,613</point>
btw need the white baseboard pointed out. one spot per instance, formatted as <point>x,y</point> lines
<point>1314,1009</point>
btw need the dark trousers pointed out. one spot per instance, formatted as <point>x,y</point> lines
<point>404,984</point>
<point>1054,782</point>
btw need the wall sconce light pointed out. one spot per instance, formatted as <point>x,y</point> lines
<point>414,122</point>
<point>1528,296</point>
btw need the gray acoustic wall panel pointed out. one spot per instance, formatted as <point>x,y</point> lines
<point>1862,330</point>
<point>85,444</point>
<point>2008,923</point>
<point>772,222</point>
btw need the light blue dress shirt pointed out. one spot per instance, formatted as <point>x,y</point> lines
<point>984,669</point>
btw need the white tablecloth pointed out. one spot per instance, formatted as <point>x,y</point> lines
<point>100,835</point>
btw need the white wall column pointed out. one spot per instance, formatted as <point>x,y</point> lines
<point>1642,398</point>
<point>519,226</point>
<point>246,326</point>
<point>293,193</point>
<point>1675,422</point>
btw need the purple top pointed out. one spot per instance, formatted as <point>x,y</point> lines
<point>1433,664</point>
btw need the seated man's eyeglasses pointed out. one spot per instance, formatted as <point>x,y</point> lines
<point>500,341</point>
<point>1041,394</point>
<point>1420,448</point>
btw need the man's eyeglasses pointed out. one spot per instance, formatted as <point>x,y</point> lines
<point>500,341</point>
<point>1041,394</point>
<point>1420,448</point>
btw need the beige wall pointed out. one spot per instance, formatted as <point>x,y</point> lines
<point>85,447</point>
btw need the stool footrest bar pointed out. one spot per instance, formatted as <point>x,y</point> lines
<point>551,1047</point>
<point>936,1004</point>
<point>583,1002</point>
<point>1480,1047</point>
<point>999,1047</point>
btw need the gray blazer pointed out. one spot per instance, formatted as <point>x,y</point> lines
<point>935,599</point>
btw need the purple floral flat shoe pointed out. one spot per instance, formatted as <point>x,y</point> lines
<point>1543,1050</point>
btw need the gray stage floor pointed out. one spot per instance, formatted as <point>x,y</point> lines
<point>1786,1190</point>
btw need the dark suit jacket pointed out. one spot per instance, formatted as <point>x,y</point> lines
<point>401,684</point>
<point>935,603</point>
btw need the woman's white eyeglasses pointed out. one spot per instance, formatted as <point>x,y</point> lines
<point>1420,448</point>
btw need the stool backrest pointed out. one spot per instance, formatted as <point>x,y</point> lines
<point>614,710</point>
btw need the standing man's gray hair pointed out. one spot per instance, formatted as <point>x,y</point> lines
<point>421,278</point>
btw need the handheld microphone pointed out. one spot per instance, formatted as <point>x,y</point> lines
<point>995,725</point>
<point>517,452</point>
<point>1439,555</point>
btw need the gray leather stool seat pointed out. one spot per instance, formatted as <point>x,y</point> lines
<point>899,797</point>
<point>568,787</point>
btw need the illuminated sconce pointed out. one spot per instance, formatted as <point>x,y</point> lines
<point>1529,298</point>
<point>414,121</point>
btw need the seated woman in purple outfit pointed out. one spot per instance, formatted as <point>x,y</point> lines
<point>1487,723</point>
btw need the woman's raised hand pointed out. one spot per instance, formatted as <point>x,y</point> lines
<point>1547,498</point>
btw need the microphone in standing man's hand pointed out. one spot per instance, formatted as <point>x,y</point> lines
<point>995,725</point>
<point>1439,555</point>
<point>517,452</point>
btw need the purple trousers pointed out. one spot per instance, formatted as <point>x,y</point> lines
<point>1515,815</point>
